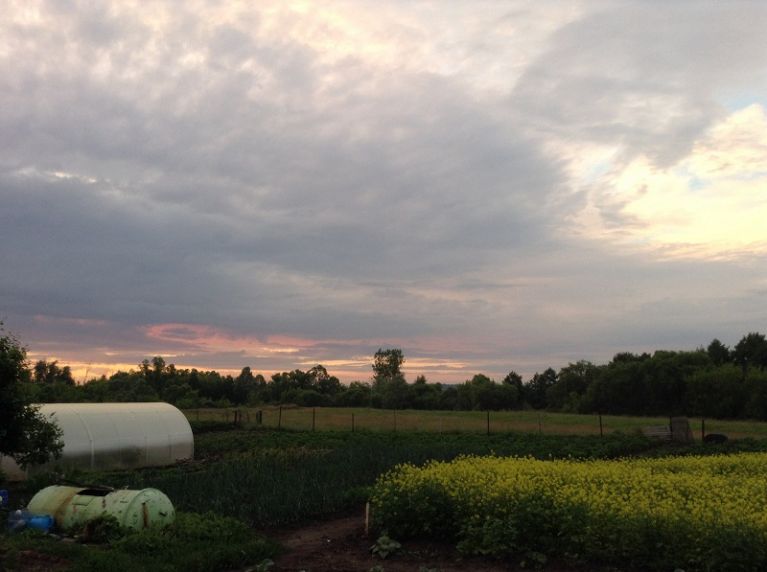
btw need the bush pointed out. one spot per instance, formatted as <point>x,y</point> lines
<point>194,542</point>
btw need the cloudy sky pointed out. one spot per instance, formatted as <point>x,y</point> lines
<point>486,185</point>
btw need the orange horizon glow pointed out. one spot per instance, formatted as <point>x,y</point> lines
<point>346,370</point>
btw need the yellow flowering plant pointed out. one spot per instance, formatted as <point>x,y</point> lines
<point>695,513</point>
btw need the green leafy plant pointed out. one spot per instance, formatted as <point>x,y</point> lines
<point>385,546</point>
<point>103,530</point>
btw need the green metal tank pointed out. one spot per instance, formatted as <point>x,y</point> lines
<point>73,506</point>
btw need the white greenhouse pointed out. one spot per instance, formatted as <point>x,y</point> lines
<point>113,436</point>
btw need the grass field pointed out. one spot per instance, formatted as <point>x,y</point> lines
<point>344,418</point>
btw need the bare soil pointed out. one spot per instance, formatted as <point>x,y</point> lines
<point>340,545</point>
<point>33,561</point>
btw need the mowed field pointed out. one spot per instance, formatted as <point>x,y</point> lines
<point>367,419</point>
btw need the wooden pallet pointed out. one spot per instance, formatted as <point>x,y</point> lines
<point>658,432</point>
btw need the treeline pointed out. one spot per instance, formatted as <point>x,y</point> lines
<point>713,382</point>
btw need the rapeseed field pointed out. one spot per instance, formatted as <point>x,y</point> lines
<point>692,513</point>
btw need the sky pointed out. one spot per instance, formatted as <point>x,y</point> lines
<point>487,185</point>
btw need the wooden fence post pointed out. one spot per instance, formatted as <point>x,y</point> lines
<point>279,418</point>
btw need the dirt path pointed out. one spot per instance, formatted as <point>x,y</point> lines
<point>340,545</point>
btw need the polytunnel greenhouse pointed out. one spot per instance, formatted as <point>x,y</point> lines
<point>101,436</point>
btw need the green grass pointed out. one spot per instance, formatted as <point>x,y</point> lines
<point>195,542</point>
<point>340,419</point>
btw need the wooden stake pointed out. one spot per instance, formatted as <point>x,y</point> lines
<point>367,519</point>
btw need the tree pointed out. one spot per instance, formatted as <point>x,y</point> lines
<point>25,435</point>
<point>570,386</point>
<point>393,393</point>
<point>717,392</point>
<point>751,351</point>
<point>482,393</point>
<point>387,365</point>
<point>323,382</point>
<point>718,352</point>
<point>390,390</point>
<point>538,386</point>
<point>49,372</point>
<point>513,379</point>
<point>356,394</point>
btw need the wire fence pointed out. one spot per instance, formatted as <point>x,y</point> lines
<point>368,419</point>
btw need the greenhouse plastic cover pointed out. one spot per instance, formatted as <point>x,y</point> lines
<point>104,436</point>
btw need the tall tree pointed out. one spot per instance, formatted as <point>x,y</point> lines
<point>390,390</point>
<point>25,435</point>
<point>387,365</point>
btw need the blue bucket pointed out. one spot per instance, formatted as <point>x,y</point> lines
<point>42,522</point>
